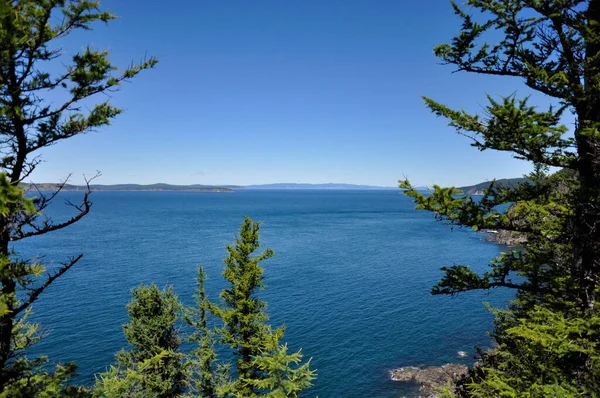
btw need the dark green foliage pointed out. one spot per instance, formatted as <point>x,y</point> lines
<point>548,338</point>
<point>30,31</point>
<point>38,382</point>
<point>542,354</point>
<point>154,366</point>
<point>151,328</point>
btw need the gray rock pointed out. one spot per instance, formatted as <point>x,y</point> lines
<point>503,237</point>
<point>430,379</point>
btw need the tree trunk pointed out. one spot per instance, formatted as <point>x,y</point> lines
<point>586,240</point>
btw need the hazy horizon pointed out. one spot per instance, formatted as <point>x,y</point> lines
<point>246,185</point>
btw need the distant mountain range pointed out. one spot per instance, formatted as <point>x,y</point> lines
<point>313,186</point>
<point>203,188</point>
<point>477,189</point>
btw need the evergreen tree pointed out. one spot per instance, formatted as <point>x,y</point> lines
<point>548,338</point>
<point>208,377</point>
<point>29,35</point>
<point>262,364</point>
<point>154,366</point>
<point>244,313</point>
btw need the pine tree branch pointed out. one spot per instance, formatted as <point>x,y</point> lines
<point>58,112</point>
<point>31,59</point>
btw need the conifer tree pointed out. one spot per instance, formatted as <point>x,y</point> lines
<point>261,363</point>
<point>154,366</point>
<point>244,313</point>
<point>208,377</point>
<point>29,56</point>
<point>548,340</point>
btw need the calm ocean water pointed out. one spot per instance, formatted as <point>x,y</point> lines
<point>350,278</point>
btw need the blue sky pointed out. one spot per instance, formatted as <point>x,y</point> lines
<point>252,92</point>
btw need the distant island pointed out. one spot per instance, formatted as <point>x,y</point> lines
<point>201,188</point>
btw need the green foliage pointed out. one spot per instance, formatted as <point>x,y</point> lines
<point>208,377</point>
<point>548,337</point>
<point>137,381</point>
<point>39,382</point>
<point>512,125</point>
<point>540,357</point>
<point>154,366</point>
<point>263,365</point>
<point>12,198</point>
<point>30,35</point>
<point>284,376</point>
<point>30,31</point>
<point>244,314</point>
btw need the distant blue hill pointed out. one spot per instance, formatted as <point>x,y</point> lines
<point>312,186</point>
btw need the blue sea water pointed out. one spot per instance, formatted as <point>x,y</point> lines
<point>350,278</point>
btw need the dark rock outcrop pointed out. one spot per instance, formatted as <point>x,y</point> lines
<point>430,379</point>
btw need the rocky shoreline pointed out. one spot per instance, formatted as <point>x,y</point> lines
<point>430,379</point>
<point>503,237</point>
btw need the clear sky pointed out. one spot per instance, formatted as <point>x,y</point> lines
<point>252,92</point>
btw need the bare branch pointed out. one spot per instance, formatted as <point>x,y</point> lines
<point>33,295</point>
<point>29,166</point>
<point>47,225</point>
<point>45,200</point>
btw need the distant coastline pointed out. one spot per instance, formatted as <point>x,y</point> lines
<point>477,189</point>
<point>161,187</point>
<point>129,187</point>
